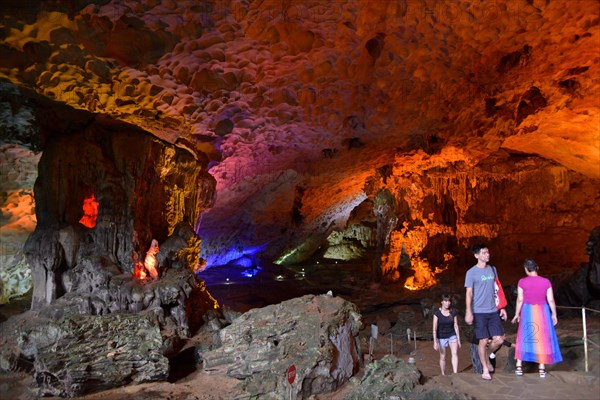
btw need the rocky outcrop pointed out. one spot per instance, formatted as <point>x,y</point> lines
<point>142,187</point>
<point>175,302</point>
<point>385,378</point>
<point>18,172</point>
<point>520,206</point>
<point>90,353</point>
<point>318,335</point>
<point>391,378</point>
<point>593,250</point>
<point>111,329</point>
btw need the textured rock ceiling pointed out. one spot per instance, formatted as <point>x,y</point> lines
<point>262,87</point>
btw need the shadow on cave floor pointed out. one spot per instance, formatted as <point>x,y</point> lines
<point>182,364</point>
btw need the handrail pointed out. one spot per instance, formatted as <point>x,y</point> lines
<point>595,344</point>
<point>578,308</point>
<point>584,324</point>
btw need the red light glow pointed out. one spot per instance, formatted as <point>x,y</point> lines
<point>90,212</point>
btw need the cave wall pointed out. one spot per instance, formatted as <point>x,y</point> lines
<point>520,206</point>
<point>144,188</point>
<point>265,87</point>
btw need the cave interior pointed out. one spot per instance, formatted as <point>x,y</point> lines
<point>244,153</point>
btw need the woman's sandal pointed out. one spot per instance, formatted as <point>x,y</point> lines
<point>519,371</point>
<point>542,373</point>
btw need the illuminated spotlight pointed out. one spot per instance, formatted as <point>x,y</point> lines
<point>279,277</point>
<point>251,272</point>
<point>317,262</point>
<point>336,262</point>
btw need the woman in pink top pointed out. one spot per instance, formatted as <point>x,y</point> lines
<point>536,314</point>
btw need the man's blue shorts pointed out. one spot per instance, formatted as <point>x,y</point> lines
<point>487,325</point>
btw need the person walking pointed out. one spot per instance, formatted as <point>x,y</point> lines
<point>481,308</point>
<point>536,314</point>
<point>446,333</point>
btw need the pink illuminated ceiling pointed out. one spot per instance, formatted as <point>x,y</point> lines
<point>263,87</point>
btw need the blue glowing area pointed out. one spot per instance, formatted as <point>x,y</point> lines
<point>235,256</point>
<point>243,261</point>
<point>251,272</point>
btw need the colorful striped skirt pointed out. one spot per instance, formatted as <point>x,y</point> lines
<point>536,337</point>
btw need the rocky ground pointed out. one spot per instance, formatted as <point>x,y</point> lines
<point>390,308</point>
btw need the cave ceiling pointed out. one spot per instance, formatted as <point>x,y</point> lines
<point>310,99</point>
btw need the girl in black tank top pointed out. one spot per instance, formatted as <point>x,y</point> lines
<point>446,333</point>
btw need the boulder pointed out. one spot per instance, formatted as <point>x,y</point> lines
<point>318,335</point>
<point>384,378</point>
<point>393,378</point>
<point>95,353</point>
<point>344,252</point>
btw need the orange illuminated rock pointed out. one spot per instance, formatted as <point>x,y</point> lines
<point>149,268</point>
<point>150,261</point>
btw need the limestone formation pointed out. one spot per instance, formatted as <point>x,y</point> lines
<point>18,171</point>
<point>593,249</point>
<point>318,335</point>
<point>408,130</point>
<point>262,88</point>
<point>97,353</point>
<point>391,378</point>
<point>144,189</point>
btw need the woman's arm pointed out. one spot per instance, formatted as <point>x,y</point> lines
<point>550,300</point>
<point>517,316</point>
<point>456,329</point>
<point>435,324</point>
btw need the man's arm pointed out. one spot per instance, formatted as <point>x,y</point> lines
<point>469,310</point>
<point>503,314</point>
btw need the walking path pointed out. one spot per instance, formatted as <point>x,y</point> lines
<point>505,386</point>
<point>562,381</point>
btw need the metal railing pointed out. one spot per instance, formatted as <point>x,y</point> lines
<point>585,338</point>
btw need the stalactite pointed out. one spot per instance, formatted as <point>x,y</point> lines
<point>490,203</point>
